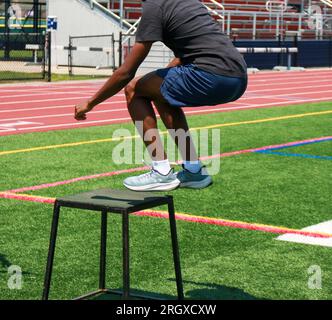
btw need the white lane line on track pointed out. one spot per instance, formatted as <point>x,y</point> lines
<point>58,107</point>
<point>55,115</point>
<point>297,87</point>
<point>268,77</point>
<point>12,126</point>
<point>277,96</point>
<point>43,100</point>
<point>103,103</point>
<point>251,87</point>
<point>278,75</point>
<point>291,88</point>
<point>206,111</point>
<point>252,83</point>
<point>104,111</point>
<point>254,106</point>
<point>286,82</point>
<point>49,100</point>
<point>44,87</point>
<point>256,77</point>
<point>44,93</point>
<point>73,124</point>
<point>282,95</point>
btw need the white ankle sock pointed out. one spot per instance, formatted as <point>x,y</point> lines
<point>162,166</point>
<point>193,166</point>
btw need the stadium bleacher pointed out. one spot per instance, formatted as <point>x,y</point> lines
<point>242,19</point>
<point>248,19</point>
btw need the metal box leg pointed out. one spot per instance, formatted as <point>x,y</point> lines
<point>175,247</point>
<point>103,242</point>
<point>125,248</point>
<point>50,259</point>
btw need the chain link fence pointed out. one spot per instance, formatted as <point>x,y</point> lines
<point>22,56</point>
<point>22,40</point>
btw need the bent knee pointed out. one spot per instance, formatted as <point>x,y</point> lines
<point>129,90</point>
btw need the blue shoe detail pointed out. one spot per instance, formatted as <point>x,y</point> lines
<point>197,180</point>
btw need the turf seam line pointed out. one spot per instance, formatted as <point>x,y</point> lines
<point>73,144</point>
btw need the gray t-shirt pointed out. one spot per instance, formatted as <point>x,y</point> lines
<point>186,27</point>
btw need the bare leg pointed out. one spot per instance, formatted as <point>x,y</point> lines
<point>139,93</point>
<point>176,122</point>
<point>142,113</point>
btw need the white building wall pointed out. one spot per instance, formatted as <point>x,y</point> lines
<point>75,18</point>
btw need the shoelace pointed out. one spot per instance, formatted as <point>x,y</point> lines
<point>147,174</point>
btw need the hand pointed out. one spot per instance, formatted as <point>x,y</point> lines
<point>81,110</point>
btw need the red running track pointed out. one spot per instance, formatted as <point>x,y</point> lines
<point>44,107</point>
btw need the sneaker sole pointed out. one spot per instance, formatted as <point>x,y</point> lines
<point>155,187</point>
<point>197,184</point>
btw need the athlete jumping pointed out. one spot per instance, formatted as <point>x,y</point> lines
<point>207,70</point>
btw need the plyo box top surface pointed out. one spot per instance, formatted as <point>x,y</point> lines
<point>117,201</point>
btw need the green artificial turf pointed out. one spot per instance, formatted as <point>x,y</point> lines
<point>12,76</point>
<point>217,262</point>
<point>21,54</point>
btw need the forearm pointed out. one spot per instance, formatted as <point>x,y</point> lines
<point>113,85</point>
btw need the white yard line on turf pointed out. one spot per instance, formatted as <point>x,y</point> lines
<point>324,227</point>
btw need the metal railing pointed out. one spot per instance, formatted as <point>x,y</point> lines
<point>218,12</point>
<point>216,5</point>
<point>276,6</point>
<point>122,22</point>
<point>327,2</point>
<point>281,25</point>
<point>132,30</point>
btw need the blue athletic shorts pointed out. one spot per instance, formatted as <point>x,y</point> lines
<point>190,86</point>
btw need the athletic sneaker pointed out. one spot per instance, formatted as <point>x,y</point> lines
<point>198,180</point>
<point>152,181</point>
